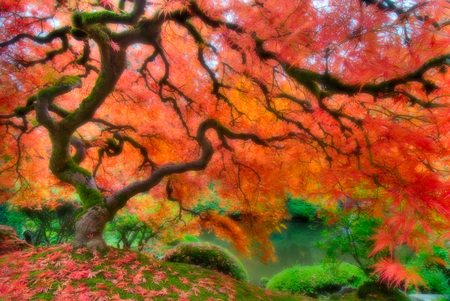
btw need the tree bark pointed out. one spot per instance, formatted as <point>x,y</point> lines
<point>89,229</point>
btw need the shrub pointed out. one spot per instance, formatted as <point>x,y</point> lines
<point>301,209</point>
<point>263,281</point>
<point>128,231</point>
<point>434,269</point>
<point>377,290</point>
<point>316,280</point>
<point>11,217</point>
<point>208,256</point>
<point>349,237</point>
<point>50,226</point>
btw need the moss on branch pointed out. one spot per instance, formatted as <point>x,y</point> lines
<point>90,197</point>
<point>63,85</point>
<point>79,34</point>
<point>22,111</point>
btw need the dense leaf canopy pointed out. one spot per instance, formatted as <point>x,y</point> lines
<point>333,100</point>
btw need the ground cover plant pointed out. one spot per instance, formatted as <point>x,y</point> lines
<point>133,102</point>
<point>61,273</point>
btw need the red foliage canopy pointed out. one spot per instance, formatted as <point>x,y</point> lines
<point>335,100</point>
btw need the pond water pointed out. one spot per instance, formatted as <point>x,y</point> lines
<point>295,245</point>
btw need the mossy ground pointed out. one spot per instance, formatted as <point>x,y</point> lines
<point>59,273</point>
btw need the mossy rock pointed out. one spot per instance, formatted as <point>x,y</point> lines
<point>377,291</point>
<point>208,256</point>
<point>10,241</point>
<point>316,280</point>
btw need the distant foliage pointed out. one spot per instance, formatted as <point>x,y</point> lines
<point>434,270</point>
<point>348,238</point>
<point>10,216</point>
<point>190,238</point>
<point>49,226</point>
<point>263,281</point>
<point>301,209</point>
<point>316,280</point>
<point>128,230</point>
<point>208,256</point>
<point>210,201</point>
<point>351,237</point>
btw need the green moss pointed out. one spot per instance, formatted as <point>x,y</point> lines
<point>89,197</point>
<point>44,296</point>
<point>68,80</point>
<point>100,17</point>
<point>216,286</point>
<point>208,256</point>
<point>122,199</point>
<point>77,19</point>
<point>73,167</point>
<point>21,111</point>
<point>79,35</point>
<point>316,280</point>
<point>48,93</point>
<point>304,77</point>
<point>111,142</point>
<point>31,100</point>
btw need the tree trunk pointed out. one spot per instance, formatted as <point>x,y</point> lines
<point>89,229</point>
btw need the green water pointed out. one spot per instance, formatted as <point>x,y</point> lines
<point>295,245</point>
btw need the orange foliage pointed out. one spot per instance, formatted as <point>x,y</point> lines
<point>349,101</point>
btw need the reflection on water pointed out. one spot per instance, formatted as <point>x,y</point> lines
<point>295,245</point>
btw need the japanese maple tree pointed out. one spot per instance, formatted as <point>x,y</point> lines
<point>337,100</point>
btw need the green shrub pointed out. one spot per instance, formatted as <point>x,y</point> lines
<point>436,275</point>
<point>49,226</point>
<point>263,281</point>
<point>316,280</point>
<point>11,217</point>
<point>301,209</point>
<point>349,237</point>
<point>377,290</point>
<point>128,231</point>
<point>208,256</point>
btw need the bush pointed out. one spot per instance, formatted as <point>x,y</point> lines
<point>208,256</point>
<point>350,235</point>
<point>11,217</point>
<point>50,226</point>
<point>378,291</point>
<point>434,269</point>
<point>300,209</point>
<point>263,281</point>
<point>128,231</point>
<point>317,280</point>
